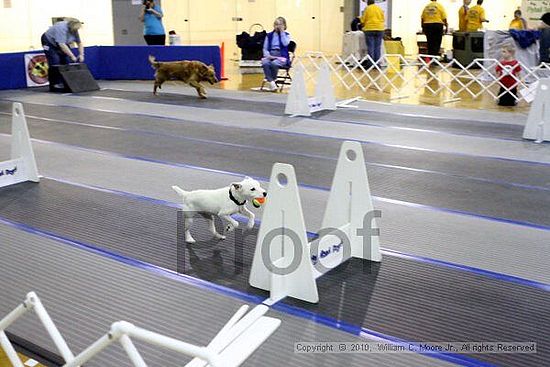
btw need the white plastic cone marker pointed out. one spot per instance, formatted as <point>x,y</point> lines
<point>282,260</point>
<point>297,103</point>
<point>284,263</point>
<point>22,165</point>
<point>324,92</point>
<point>538,122</point>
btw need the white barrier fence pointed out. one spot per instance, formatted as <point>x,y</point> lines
<point>425,74</point>
<point>285,263</point>
<point>22,165</point>
<point>233,344</point>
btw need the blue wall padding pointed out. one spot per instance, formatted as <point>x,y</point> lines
<point>12,70</point>
<point>114,62</point>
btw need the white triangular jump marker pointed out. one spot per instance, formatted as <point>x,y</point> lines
<point>349,229</point>
<point>283,215</point>
<point>538,122</point>
<point>22,165</point>
<point>324,92</point>
<point>350,202</point>
<point>297,102</point>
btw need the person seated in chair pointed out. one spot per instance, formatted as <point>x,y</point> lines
<point>275,52</point>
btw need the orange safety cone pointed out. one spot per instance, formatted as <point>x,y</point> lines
<point>222,56</point>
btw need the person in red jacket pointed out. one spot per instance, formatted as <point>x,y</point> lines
<point>508,72</point>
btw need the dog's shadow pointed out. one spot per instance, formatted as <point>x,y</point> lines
<point>208,267</point>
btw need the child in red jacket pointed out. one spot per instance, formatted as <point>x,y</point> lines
<point>508,72</point>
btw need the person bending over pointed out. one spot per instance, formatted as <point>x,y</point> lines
<point>275,52</point>
<point>153,30</point>
<point>56,42</point>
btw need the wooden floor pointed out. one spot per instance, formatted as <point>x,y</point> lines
<point>237,81</point>
<point>4,361</point>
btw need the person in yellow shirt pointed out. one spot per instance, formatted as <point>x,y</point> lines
<point>373,22</point>
<point>476,16</point>
<point>433,19</point>
<point>519,23</point>
<point>463,15</point>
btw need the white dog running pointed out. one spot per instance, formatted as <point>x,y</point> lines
<point>221,202</point>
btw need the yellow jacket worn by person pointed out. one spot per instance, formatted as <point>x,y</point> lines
<point>517,24</point>
<point>434,13</point>
<point>462,19</point>
<point>373,18</point>
<point>476,16</point>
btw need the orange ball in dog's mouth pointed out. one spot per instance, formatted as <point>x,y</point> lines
<point>258,202</point>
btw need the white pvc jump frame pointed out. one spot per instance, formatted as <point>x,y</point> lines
<point>282,239</point>
<point>233,344</point>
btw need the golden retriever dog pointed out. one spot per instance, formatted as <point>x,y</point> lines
<point>190,72</point>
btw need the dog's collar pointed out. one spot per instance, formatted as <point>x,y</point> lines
<point>235,200</point>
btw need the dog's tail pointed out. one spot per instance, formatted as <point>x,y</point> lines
<point>180,191</point>
<point>153,61</point>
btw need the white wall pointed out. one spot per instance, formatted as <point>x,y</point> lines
<point>23,23</point>
<point>314,24</point>
<point>406,18</point>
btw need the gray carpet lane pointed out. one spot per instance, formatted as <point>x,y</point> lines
<point>456,193</point>
<point>85,292</point>
<point>402,298</point>
<point>463,127</point>
<point>483,168</point>
<point>478,167</point>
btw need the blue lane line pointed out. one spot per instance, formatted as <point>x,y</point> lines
<point>307,186</point>
<point>187,279</point>
<point>277,151</point>
<point>310,235</point>
<point>422,116</point>
<point>125,194</point>
<point>535,163</point>
<point>461,360</point>
<point>469,269</point>
<point>323,119</point>
<point>435,132</point>
<point>283,132</point>
<point>465,214</point>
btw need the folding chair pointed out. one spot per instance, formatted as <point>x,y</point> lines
<point>283,76</point>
